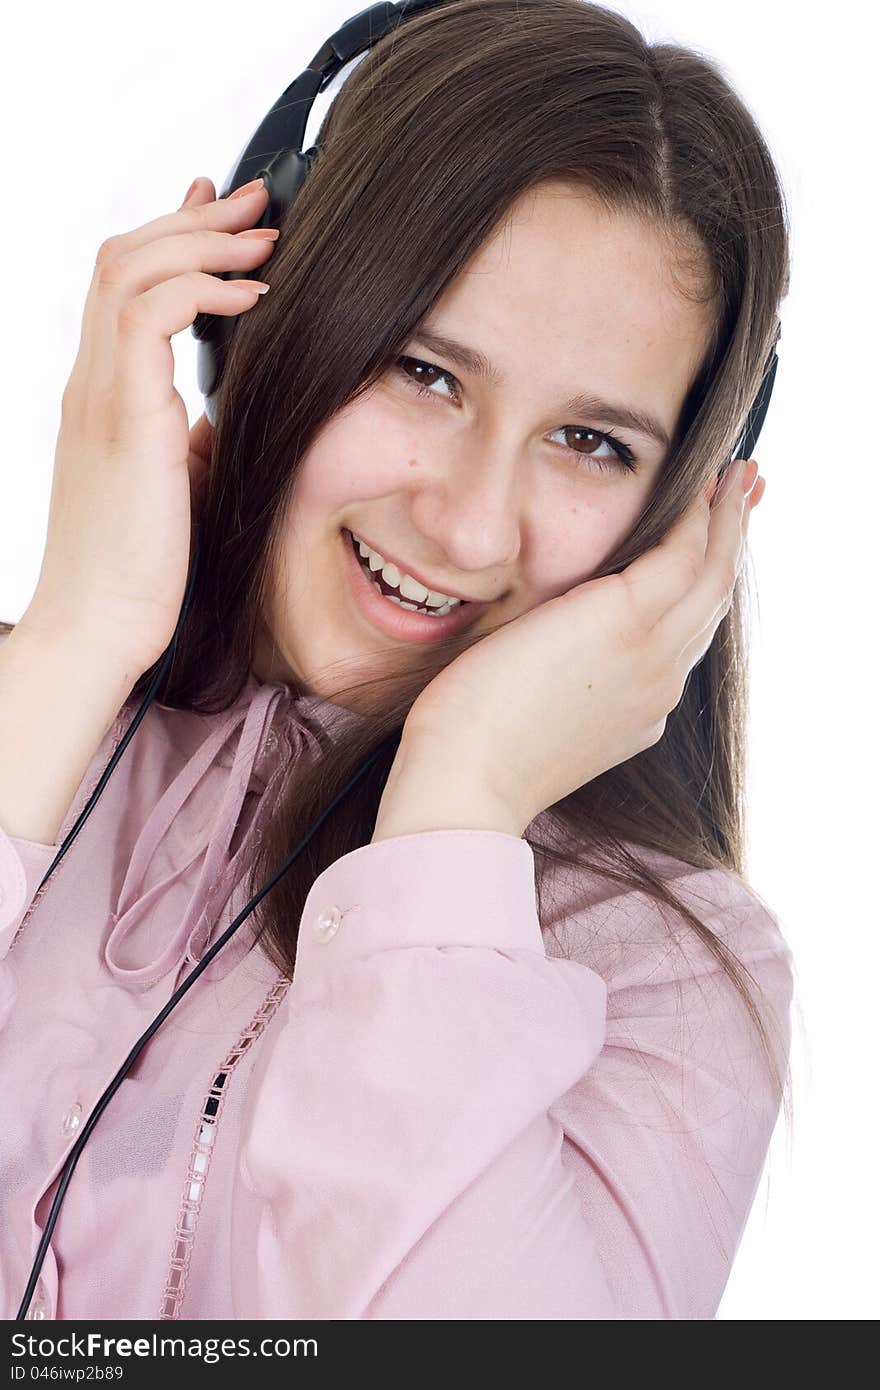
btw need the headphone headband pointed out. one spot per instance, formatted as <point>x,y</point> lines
<point>281,133</point>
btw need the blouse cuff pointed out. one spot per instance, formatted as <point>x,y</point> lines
<point>433,888</point>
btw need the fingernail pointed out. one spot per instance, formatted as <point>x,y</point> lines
<point>190,191</point>
<point>261,233</point>
<point>247,188</point>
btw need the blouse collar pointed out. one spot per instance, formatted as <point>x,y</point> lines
<point>245,752</point>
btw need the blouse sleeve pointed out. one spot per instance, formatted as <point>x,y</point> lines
<point>449,1123</point>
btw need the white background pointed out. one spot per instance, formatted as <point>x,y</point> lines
<point>105,123</point>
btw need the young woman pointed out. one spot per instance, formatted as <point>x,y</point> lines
<point>510,1038</point>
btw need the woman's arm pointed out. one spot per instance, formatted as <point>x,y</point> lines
<point>420,796</point>
<point>446,1122</point>
<point>59,694</point>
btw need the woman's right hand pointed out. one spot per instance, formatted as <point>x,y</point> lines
<point>129,472</point>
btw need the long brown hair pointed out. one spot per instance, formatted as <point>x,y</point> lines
<point>430,139</point>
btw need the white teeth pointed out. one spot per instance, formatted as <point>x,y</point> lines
<point>410,588</point>
<point>414,607</point>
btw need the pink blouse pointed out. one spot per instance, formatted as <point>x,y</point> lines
<point>455,1111</point>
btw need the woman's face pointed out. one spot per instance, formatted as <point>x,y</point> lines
<point>502,489</point>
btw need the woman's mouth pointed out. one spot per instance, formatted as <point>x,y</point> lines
<point>384,607</point>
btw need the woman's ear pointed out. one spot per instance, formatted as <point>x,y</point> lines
<point>201,438</point>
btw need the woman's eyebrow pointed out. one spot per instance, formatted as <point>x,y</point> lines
<point>585,404</point>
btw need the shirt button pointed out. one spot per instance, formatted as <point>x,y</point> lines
<point>328,923</point>
<point>271,741</point>
<point>70,1123</point>
<point>40,1302</point>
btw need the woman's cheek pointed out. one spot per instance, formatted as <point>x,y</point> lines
<point>568,543</point>
<point>367,450</point>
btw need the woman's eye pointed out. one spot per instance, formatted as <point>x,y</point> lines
<point>621,457</point>
<point>416,373</point>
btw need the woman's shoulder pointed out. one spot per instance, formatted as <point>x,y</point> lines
<point>627,935</point>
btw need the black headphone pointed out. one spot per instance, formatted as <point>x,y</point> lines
<point>282,130</point>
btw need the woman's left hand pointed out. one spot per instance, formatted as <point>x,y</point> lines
<point>585,680</point>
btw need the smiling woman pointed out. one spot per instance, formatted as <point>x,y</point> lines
<point>536,1039</point>
<point>586,304</point>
